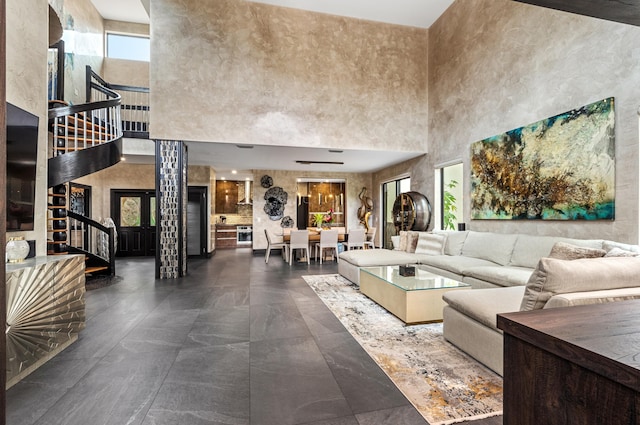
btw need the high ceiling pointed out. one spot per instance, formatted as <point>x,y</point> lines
<point>415,13</point>
<point>227,157</point>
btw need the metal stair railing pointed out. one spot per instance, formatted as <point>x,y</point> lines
<point>89,236</point>
<point>134,103</point>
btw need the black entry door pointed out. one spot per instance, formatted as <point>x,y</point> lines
<point>134,212</point>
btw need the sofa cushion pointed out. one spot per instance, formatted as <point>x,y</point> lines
<point>395,241</point>
<point>483,305</point>
<point>567,251</point>
<point>377,257</point>
<point>609,245</point>
<point>495,247</point>
<point>593,297</point>
<point>430,244</point>
<point>454,263</point>
<point>501,275</point>
<point>529,249</point>
<point>554,276</point>
<point>454,241</point>
<point>617,252</point>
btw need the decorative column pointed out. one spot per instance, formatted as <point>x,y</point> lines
<point>171,209</point>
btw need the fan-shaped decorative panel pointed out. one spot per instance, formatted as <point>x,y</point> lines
<point>45,311</point>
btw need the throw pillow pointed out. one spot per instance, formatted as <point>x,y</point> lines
<point>412,241</point>
<point>555,276</point>
<point>565,251</point>
<point>395,241</point>
<point>403,240</point>
<point>454,241</point>
<point>430,244</point>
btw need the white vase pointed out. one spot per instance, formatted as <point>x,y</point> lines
<point>17,249</point>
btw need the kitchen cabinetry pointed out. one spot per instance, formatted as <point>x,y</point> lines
<point>226,236</point>
<point>226,197</point>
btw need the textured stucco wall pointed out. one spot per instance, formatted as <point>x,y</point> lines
<point>287,181</point>
<point>242,72</point>
<point>136,176</point>
<point>84,45</point>
<point>26,78</point>
<point>120,176</point>
<point>497,65</point>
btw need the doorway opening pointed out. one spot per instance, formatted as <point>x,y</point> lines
<point>197,221</point>
<point>390,191</point>
<point>134,213</point>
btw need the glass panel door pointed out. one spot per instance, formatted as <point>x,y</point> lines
<point>134,212</point>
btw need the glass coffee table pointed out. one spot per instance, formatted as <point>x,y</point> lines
<point>413,299</point>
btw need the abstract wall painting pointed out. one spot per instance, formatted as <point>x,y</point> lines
<point>560,168</point>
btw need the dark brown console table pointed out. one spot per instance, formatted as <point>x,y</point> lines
<point>574,365</point>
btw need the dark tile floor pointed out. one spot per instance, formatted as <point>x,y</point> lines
<point>237,341</point>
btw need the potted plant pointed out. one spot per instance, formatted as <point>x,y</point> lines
<point>318,219</point>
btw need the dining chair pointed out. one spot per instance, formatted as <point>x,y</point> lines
<point>356,239</point>
<point>371,237</point>
<point>328,240</point>
<point>271,244</point>
<point>299,240</point>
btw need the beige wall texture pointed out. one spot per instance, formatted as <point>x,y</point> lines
<point>120,176</point>
<point>26,79</point>
<point>84,45</point>
<point>496,65</point>
<point>261,74</point>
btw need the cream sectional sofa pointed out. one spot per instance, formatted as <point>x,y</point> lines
<point>483,259</point>
<point>507,272</point>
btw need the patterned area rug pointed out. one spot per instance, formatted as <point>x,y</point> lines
<point>442,382</point>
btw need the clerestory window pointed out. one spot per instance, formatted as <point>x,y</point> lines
<point>128,46</point>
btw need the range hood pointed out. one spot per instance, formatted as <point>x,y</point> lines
<point>248,199</point>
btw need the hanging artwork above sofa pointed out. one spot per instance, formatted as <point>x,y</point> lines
<point>559,168</point>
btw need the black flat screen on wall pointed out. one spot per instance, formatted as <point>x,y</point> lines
<point>22,153</point>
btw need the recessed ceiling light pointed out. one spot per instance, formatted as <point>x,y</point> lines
<point>234,172</point>
<point>223,178</point>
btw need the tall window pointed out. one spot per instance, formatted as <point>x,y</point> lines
<point>390,191</point>
<point>451,196</point>
<point>127,46</point>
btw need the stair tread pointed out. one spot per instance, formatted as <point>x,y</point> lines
<point>93,269</point>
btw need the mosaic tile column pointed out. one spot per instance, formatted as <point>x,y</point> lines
<point>171,209</point>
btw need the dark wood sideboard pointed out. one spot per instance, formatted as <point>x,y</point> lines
<point>573,365</point>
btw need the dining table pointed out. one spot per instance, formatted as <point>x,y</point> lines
<point>314,235</point>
